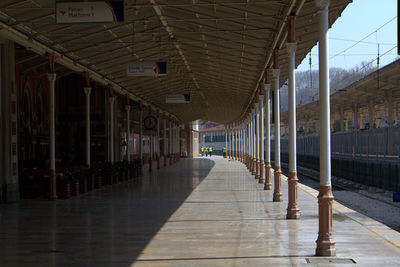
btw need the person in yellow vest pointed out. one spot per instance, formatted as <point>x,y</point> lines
<point>210,151</point>
<point>202,151</point>
<point>224,152</point>
<point>206,149</point>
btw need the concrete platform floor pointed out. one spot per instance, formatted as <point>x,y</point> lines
<point>198,212</point>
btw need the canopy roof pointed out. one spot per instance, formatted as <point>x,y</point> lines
<point>370,90</point>
<point>215,50</point>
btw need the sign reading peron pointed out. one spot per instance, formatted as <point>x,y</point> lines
<point>90,12</point>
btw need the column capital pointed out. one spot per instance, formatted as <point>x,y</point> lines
<point>51,77</point>
<point>291,48</point>
<point>275,73</point>
<point>111,99</point>
<point>261,98</point>
<point>87,90</point>
<point>322,4</point>
<point>128,107</point>
<point>267,87</point>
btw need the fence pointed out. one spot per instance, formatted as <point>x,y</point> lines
<point>369,157</point>
<point>373,143</point>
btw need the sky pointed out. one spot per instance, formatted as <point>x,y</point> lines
<point>376,19</point>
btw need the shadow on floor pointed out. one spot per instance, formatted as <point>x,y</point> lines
<point>107,227</point>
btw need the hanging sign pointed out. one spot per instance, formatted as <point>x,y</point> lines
<point>177,99</point>
<point>146,68</point>
<point>90,12</point>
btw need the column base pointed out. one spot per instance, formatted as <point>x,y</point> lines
<point>254,167</point>
<point>267,184</point>
<point>165,161</point>
<point>262,167</point>
<point>293,211</point>
<point>325,241</point>
<point>277,192</point>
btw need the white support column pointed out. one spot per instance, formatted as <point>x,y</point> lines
<point>128,131</point>
<point>252,140</point>
<point>158,144</point>
<point>371,109</point>
<point>341,119</point>
<point>389,100</point>
<point>355,117</point>
<point>230,142</point>
<point>277,184</point>
<point>293,211</point>
<point>261,138</point>
<point>87,93</point>
<point>111,100</point>
<point>141,135</point>
<point>226,141</point>
<point>248,144</point>
<point>166,143</point>
<point>240,142</point>
<point>170,142</point>
<point>257,139</point>
<point>52,131</point>
<point>325,242</point>
<point>268,184</point>
<point>237,140</point>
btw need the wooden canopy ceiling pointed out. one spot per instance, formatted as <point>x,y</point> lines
<point>216,50</point>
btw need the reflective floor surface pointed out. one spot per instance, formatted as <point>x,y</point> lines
<point>198,212</point>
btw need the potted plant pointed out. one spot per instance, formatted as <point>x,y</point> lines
<point>81,174</point>
<point>63,185</point>
<point>97,176</point>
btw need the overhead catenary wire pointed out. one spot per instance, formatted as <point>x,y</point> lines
<point>353,45</point>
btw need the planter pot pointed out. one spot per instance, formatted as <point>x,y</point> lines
<point>83,186</point>
<point>98,182</point>
<point>75,188</point>
<point>91,183</point>
<point>111,179</point>
<point>63,189</point>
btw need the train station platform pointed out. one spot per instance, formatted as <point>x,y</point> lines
<point>198,212</point>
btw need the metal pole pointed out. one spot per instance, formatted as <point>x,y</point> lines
<point>257,140</point>
<point>128,130</point>
<point>53,184</point>
<point>325,242</point>
<point>87,93</point>
<point>111,100</point>
<point>267,185</point>
<point>277,181</point>
<point>293,211</point>
<point>261,138</point>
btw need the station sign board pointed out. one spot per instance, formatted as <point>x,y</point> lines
<point>177,99</point>
<point>146,68</point>
<point>89,12</point>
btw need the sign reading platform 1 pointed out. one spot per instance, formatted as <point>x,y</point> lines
<point>146,68</point>
<point>90,12</point>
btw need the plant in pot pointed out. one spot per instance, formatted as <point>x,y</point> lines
<point>97,175</point>
<point>63,185</point>
<point>81,174</point>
